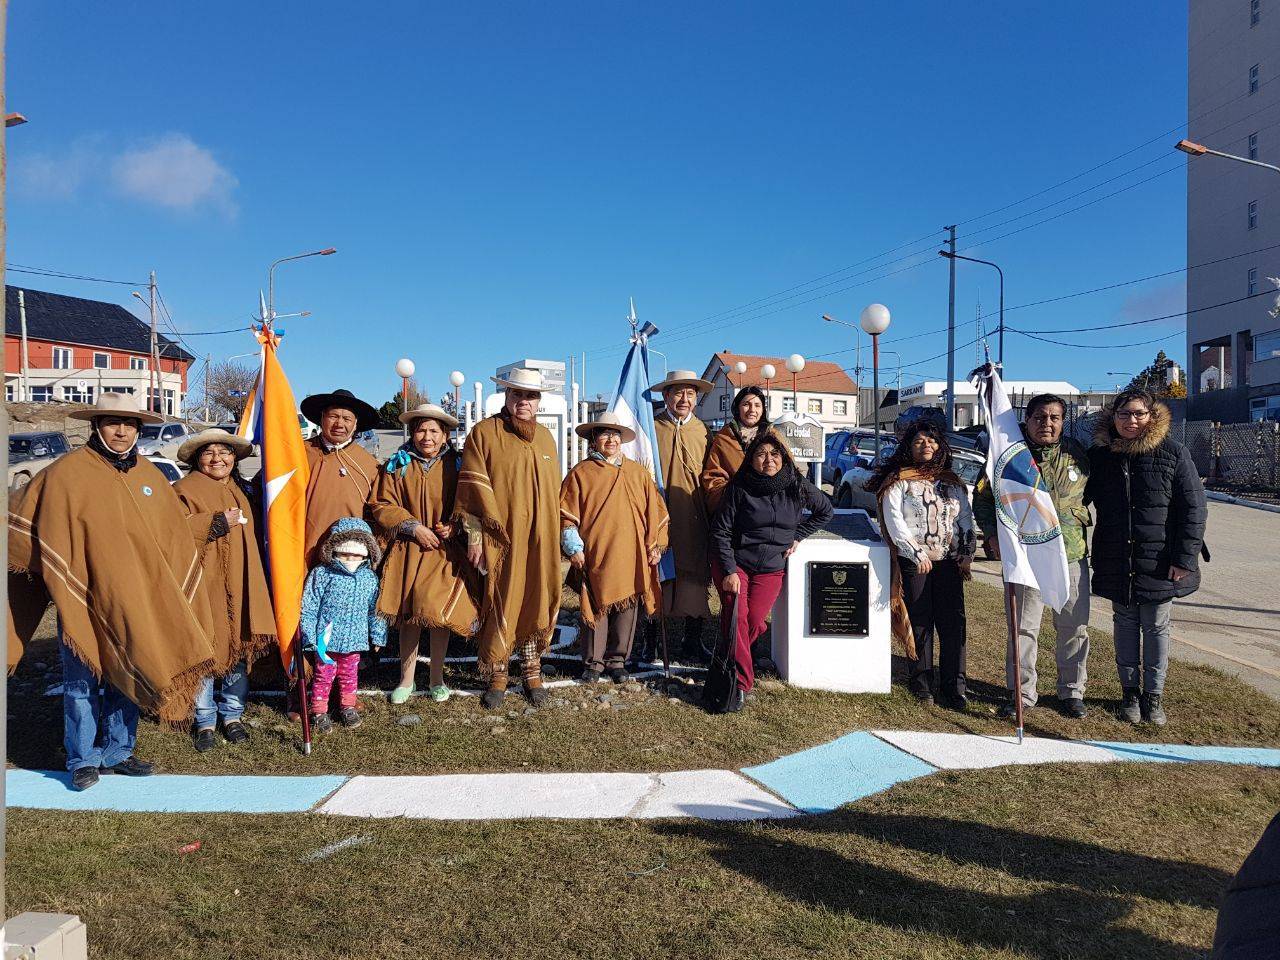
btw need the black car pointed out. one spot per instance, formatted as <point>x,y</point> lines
<point>37,446</point>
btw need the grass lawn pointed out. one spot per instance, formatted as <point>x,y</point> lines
<point>644,728</point>
<point>1107,860</point>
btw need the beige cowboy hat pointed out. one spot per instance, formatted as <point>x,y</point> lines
<point>116,405</point>
<point>607,420</point>
<point>192,446</point>
<point>681,378</point>
<point>430,411</point>
<point>521,379</point>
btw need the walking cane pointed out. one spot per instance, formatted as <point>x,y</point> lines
<point>300,665</point>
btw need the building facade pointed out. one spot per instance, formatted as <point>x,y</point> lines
<point>67,349</point>
<point>1233,210</point>
<point>823,390</point>
<point>553,373</point>
<point>933,393</point>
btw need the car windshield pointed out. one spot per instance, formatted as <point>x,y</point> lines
<point>19,444</point>
<point>967,470</point>
<point>149,431</point>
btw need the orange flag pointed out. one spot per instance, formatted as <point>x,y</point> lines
<point>271,421</point>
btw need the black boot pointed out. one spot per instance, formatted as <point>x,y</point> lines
<point>646,647</point>
<point>691,646</point>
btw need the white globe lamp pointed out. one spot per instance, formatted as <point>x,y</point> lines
<point>875,319</point>
<point>457,378</point>
<point>768,371</point>
<point>795,363</point>
<point>405,368</point>
<point>740,367</point>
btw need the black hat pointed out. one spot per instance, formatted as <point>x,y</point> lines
<point>316,404</point>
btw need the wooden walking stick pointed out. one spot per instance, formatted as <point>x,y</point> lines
<point>300,665</point>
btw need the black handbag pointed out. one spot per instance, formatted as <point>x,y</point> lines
<point>720,692</point>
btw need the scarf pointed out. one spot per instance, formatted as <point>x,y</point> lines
<point>407,453</point>
<point>759,485</point>
<point>744,434</point>
<point>601,458</point>
<point>124,462</point>
<point>526,430</point>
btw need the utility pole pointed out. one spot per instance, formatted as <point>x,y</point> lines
<point>951,331</point>
<point>24,381</point>
<point>207,358</point>
<point>155,349</point>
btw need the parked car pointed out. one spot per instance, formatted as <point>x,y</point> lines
<point>308,428</point>
<point>162,439</point>
<point>172,472</point>
<point>369,440</point>
<point>29,453</point>
<point>847,448</point>
<point>967,464</point>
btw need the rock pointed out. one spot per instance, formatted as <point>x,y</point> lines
<point>606,705</point>
<point>498,731</point>
<point>605,698</point>
<point>253,722</point>
<point>530,711</point>
<point>673,699</point>
<point>409,720</point>
<point>493,719</point>
<point>467,722</point>
<point>512,714</point>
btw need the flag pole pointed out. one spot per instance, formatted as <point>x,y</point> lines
<point>1011,616</point>
<point>300,665</point>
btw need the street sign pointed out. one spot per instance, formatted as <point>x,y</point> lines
<point>82,385</point>
<point>804,436</point>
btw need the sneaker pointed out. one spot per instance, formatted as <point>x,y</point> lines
<point>439,693</point>
<point>235,732</point>
<point>349,717</point>
<point>82,778</point>
<point>1074,708</point>
<point>592,675</point>
<point>401,695</point>
<point>1152,711</point>
<point>204,740</point>
<point>320,723</point>
<point>133,767</point>
<point>618,675</point>
<point>537,695</point>
<point>1131,706</point>
<point>493,698</point>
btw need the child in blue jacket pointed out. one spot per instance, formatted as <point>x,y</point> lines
<point>339,618</point>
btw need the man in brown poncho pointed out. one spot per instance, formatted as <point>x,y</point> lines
<point>614,532</point>
<point>101,534</point>
<point>342,471</point>
<point>682,452</point>
<point>507,500</point>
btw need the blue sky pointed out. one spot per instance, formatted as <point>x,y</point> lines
<point>500,178</point>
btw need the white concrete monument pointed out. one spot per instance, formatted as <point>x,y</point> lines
<point>831,628</point>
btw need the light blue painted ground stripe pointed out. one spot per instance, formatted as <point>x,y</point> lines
<point>842,771</point>
<point>169,793</point>
<point>1182,753</point>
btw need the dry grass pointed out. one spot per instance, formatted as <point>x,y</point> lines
<point>1072,861</point>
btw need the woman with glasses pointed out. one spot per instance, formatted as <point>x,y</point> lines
<point>1147,542</point>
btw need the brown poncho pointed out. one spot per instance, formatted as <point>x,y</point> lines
<point>428,588</point>
<point>621,517</point>
<point>727,452</point>
<point>682,452</point>
<point>243,623</point>
<point>339,486</point>
<point>115,554</point>
<point>508,486</point>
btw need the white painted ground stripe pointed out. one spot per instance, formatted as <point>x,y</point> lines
<point>963,751</point>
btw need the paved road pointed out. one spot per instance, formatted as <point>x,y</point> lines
<point>1233,621</point>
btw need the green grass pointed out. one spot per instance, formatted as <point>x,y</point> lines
<point>1071,861</point>
<point>644,729</point>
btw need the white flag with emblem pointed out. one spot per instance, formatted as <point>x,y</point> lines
<point>1031,548</point>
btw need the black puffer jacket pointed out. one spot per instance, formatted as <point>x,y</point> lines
<point>755,532</point>
<point>1151,513</point>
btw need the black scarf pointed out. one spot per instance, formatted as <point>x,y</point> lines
<point>758,485</point>
<point>124,462</point>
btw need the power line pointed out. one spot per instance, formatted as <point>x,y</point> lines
<point>1135,323</point>
<point>58,274</point>
<point>1100,346</point>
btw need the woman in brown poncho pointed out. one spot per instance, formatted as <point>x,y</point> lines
<point>614,530</point>
<point>729,445</point>
<point>243,625</point>
<point>426,581</point>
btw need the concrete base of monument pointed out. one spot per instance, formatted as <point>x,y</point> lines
<point>831,626</point>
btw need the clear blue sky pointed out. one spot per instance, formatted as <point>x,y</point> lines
<point>500,178</point>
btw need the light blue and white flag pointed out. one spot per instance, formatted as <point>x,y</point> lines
<point>630,401</point>
<point>1031,548</point>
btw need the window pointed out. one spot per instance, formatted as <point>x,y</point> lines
<point>42,394</point>
<point>8,393</point>
<point>815,406</point>
<point>724,403</point>
<point>1266,346</point>
<point>117,390</point>
<point>788,404</point>
<point>1253,146</point>
<point>1265,408</point>
<point>1252,285</point>
<point>102,361</point>
<point>137,363</point>
<point>61,358</point>
<point>168,403</point>
<point>1211,366</point>
<point>1255,12</point>
<point>1253,79</point>
<point>72,393</point>
<point>840,408</point>
<point>1253,214</point>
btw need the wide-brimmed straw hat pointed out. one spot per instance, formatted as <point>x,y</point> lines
<point>521,378</point>
<point>314,406</point>
<point>430,411</point>
<point>682,378</point>
<point>116,405</point>
<point>606,421</point>
<point>192,446</point>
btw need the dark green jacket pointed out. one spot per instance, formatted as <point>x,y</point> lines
<point>1065,468</point>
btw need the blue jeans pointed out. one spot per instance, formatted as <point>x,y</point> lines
<point>88,712</point>
<point>230,701</point>
<point>1142,644</point>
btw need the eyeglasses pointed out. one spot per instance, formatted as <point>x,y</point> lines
<point>1132,414</point>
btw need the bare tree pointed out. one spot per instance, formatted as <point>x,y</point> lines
<point>229,386</point>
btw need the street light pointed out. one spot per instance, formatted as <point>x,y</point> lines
<point>768,371</point>
<point>404,370</point>
<point>457,379</point>
<point>795,363</point>
<point>271,277</point>
<point>956,256</point>
<point>1193,149</point>
<point>875,321</point>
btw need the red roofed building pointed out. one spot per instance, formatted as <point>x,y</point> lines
<point>823,389</point>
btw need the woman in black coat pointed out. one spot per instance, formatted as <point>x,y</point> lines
<point>761,518</point>
<point>1147,542</point>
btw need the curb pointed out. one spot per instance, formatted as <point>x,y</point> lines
<point>1240,501</point>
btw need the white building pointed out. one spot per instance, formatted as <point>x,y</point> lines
<point>552,371</point>
<point>823,389</point>
<point>933,393</point>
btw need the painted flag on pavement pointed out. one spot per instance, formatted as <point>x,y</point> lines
<point>630,401</point>
<point>1031,548</point>
<point>271,421</point>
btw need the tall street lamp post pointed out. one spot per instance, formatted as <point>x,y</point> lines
<point>271,277</point>
<point>875,321</point>
<point>795,363</point>
<point>404,370</point>
<point>956,256</point>
<point>457,379</point>
<point>768,371</point>
<point>1194,149</point>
